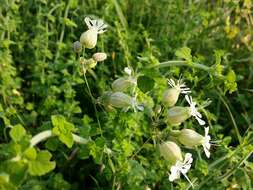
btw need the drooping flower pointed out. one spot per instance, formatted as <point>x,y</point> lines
<point>181,167</point>
<point>89,38</point>
<point>193,110</point>
<point>191,138</point>
<point>171,95</point>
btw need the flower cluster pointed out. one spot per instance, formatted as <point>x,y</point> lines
<point>88,40</point>
<point>175,115</point>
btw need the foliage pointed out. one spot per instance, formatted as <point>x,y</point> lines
<point>43,93</point>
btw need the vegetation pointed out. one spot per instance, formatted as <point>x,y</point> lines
<point>97,94</point>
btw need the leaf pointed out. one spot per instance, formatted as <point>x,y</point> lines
<point>42,164</point>
<point>17,133</point>
<point>30,153</point>
<point>69,22</point>
<point>230,82</point>
<point>145,83</point>
<point>184,53</point>
<point>63,129</point>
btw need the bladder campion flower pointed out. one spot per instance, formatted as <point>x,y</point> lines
<point>89,38</point>
<point>191,138</point>
<point>181,167</point>
<point>171,95</point>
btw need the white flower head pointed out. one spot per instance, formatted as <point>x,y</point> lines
<point>193,110</point>
<point>206,142</point>
<point>181,168</point>
<point>128,71</point>
<point>97,25</point>
<point>179,85</point>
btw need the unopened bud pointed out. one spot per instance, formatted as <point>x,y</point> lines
<point>190,138</point>
<point>176,115</point>
<point>170,97</point>
<point>99,57</point>
<point>123,83</point>
<point>77,46</point>
<point>89,38</point>
<point>171,151</point>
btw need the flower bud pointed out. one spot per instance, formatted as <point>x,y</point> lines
<point>99,56</point>
<point>89,38</point>
<point>77,46</point>
<point>171,152</point>
<point>170,97</point>
<point>176,115</point>
<point>190,138</point>
<point>123,83</point>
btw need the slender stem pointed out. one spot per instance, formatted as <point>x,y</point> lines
<point>92,98</point>
<point>231,115</point>
<point>48,133</point>
<point>173,63</point>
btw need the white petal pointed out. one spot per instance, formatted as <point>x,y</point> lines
<point>206,131</point>
<point>201,122</point>
<point>127,70</point>
<point>188,99</point>
<point>206,150</point>
<point>175,173</point>
<point>88,22</point>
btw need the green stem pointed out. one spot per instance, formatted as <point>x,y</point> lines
<point>92,98</point>
<point>184,63</point>
<point>48,133</point>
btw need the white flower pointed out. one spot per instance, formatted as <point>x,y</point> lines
<point>128,71</point>
<point>98,25</point>
<point>193,110</point>
<point>180,86</point>
<point>181,168</point>
<point>206,142</point>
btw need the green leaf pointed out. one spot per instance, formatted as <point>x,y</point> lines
<point>184,53</point>
<point>63,129</point>
<point>17,133</point>
<point>230,82</point>
<point>30,153</point>
<point>145,83</point>
<point>42,164</point>
<point>69,22</point>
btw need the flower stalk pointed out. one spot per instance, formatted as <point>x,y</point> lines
<point>48,133</point>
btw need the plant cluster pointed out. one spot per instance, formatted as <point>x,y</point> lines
<point>104,112</point>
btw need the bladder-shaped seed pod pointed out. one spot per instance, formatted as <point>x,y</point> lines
<point>116,100</point>
<point>123,83</point>
<point>177,115</point>
<point>89,38</point>
<point>190,138</point>
<point>171,151</point>
<point>171,95</point>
